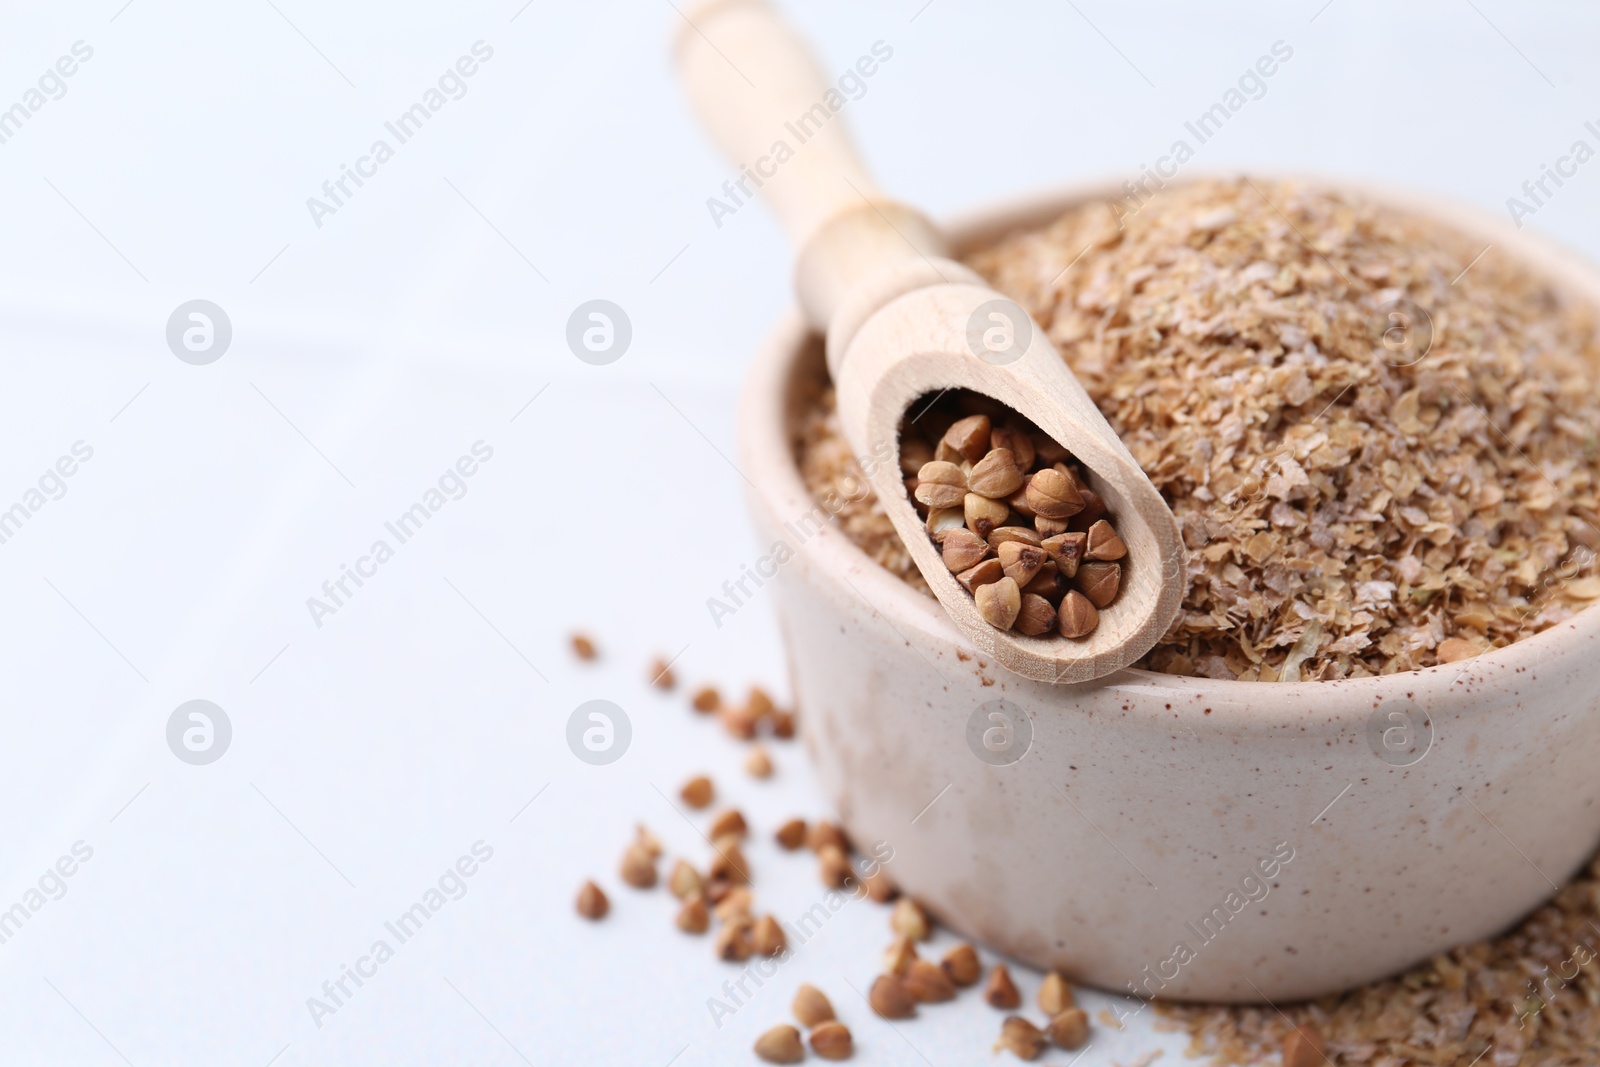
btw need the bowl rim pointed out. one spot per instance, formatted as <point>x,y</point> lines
<point>769,401</point>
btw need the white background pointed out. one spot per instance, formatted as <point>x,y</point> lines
<point>368,354</point>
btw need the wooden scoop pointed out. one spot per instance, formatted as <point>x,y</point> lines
<point>903,321</point>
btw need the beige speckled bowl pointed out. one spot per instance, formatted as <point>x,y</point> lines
<point>1126,846</point>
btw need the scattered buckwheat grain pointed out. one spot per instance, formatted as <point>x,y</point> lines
<point>592,902</point>
<point>768,938</point>
<point>693,917</point>
<point>739,722</point>
<point>758,764</point>
<point>1055,995</point>
<point>735,902</point>
<point>909,920</point>
<point>698,792</point>
<point>759,703</point>
<point>890,999</point>
<point>791,835</point>
<point>1022,1038</point>
<point>962,965</point>
<point>899,956</point>
<point>683,880</point>
<point>730,822</point>
<point>733,942</point>
<point>927,983</point>
<point>811,1006</point>
<point>823,833</point>
<point>647,841</point>
<point>638,866</point>
<point>832,1041</point>
<point>583,647</point>
<point>1001,992</point>
<point>781,1044</point>
<point>728,863</point>
<point>1069,1028</point>
<point>833,867</point>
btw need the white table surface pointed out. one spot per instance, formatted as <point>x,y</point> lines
<point>368,354</point>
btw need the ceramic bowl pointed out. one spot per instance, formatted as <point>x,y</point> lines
<point>1176,837</point>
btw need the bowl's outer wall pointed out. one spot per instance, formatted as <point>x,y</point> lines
<point>1146,800</point>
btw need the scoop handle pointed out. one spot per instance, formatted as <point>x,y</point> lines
<point>769,107</point>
